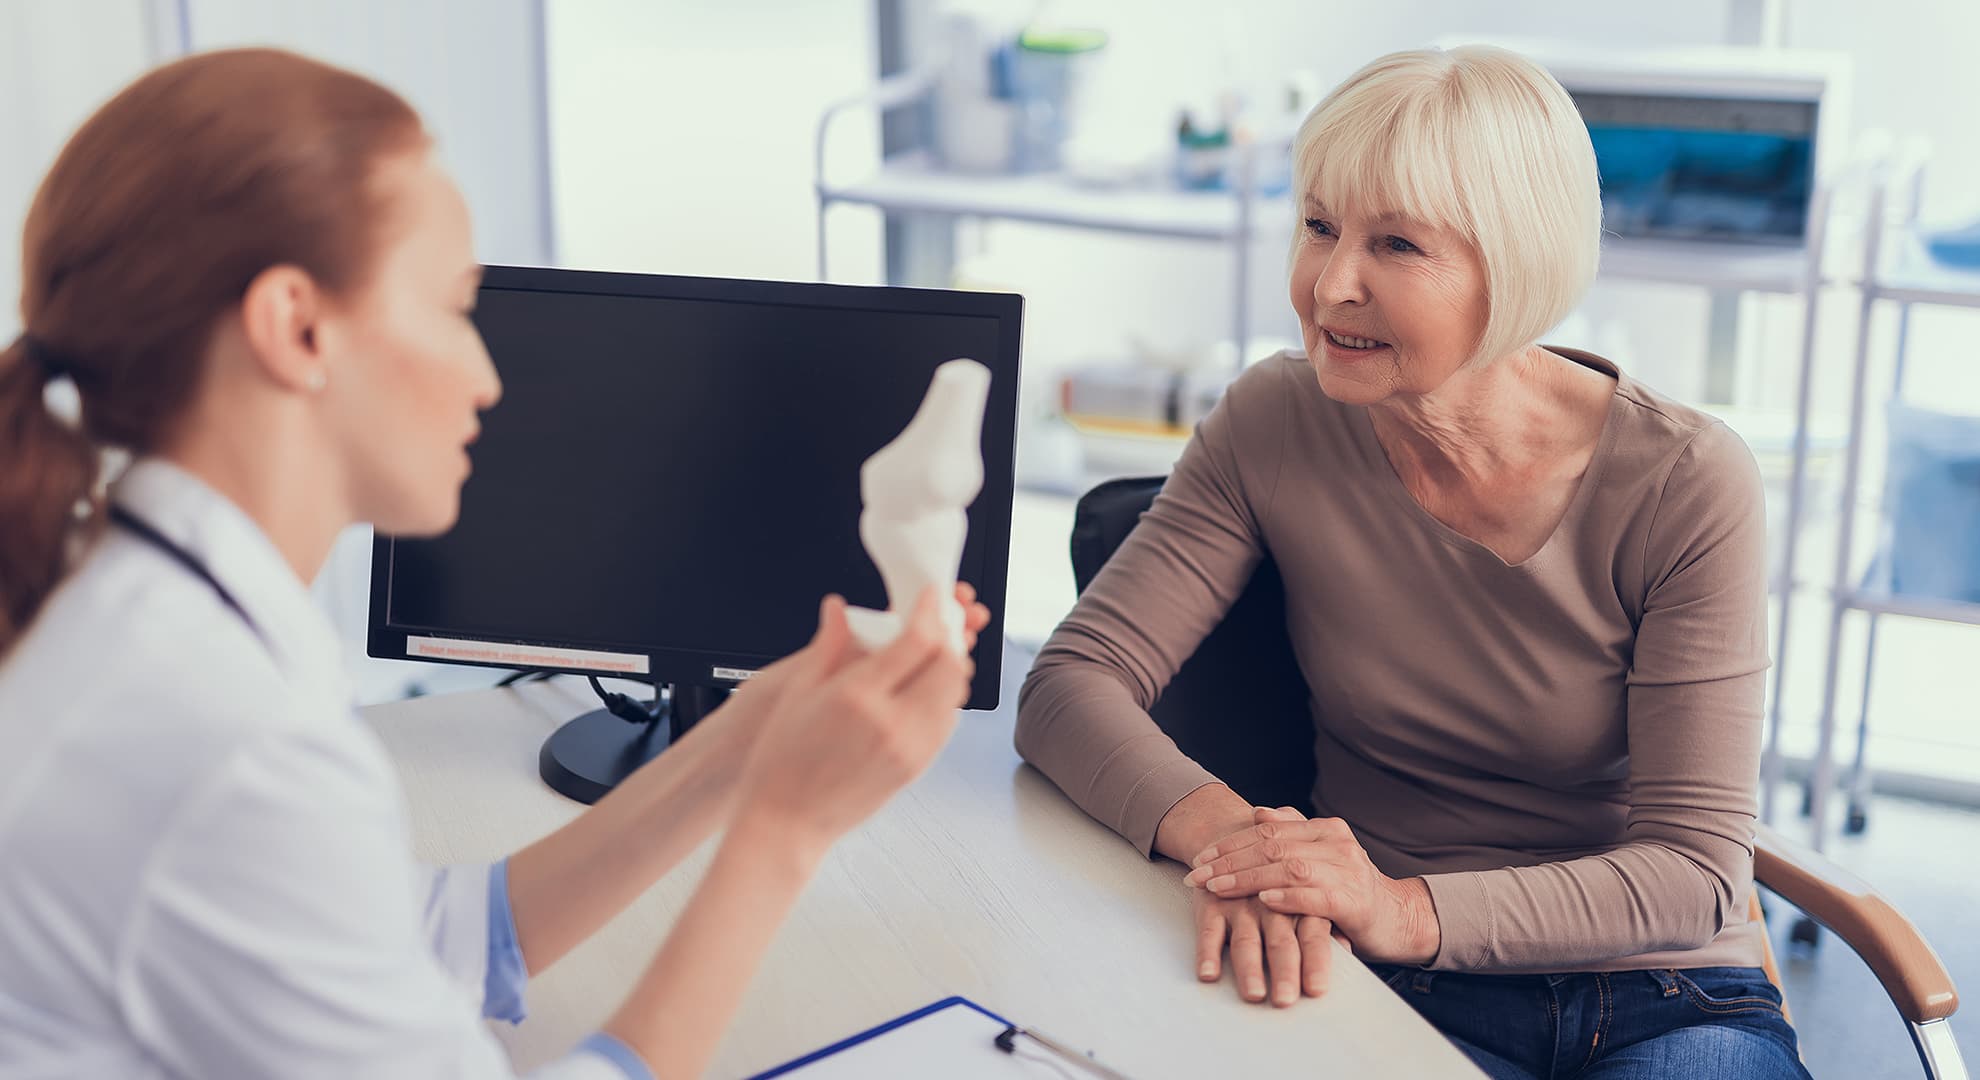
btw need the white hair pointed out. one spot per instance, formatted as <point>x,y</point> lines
<point>1479,140</point>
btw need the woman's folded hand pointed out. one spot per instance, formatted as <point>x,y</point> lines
<point>1315,868</point>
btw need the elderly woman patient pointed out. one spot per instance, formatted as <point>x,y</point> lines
<point>1525,590</point>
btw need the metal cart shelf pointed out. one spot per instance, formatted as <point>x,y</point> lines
<point>1896,269</point>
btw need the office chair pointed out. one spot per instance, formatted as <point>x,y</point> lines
<point>1238,706</point>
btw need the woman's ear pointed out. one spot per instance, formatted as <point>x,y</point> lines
<point>280,313</point>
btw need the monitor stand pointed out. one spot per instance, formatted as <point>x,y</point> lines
<point>589,755</point>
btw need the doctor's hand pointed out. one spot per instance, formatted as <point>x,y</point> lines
<point>1317,869</point>
<point>975,615</point>
<point>847,730</point>
<point>731,731</point>
<point>738,723</point>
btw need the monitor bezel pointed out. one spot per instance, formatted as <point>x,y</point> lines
<point>695,667</point>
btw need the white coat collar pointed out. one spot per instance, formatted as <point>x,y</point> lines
<point>233,548</point>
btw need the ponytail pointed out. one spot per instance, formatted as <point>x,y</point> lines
<point>48,474</point>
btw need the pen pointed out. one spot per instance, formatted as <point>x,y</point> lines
<point>1007,1042</point>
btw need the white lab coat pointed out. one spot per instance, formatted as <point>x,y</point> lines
<point>205,862</point>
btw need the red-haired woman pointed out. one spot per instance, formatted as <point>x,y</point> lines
<point>257,280</point>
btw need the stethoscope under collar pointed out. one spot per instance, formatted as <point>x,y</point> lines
<point>144,531</point>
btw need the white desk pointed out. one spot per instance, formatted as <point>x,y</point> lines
<point>980,880</point>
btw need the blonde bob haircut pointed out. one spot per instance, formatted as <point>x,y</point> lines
<point>1479,140</point>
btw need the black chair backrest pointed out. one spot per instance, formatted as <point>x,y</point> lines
<point>1239,704</point>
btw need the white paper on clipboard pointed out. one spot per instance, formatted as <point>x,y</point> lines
<point>955,1041</point>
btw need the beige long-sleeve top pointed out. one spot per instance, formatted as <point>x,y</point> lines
<point>1566,750</point>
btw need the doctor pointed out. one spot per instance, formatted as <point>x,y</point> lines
<point>248,273</point>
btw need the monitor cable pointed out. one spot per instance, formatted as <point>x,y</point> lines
<point>627,708</point>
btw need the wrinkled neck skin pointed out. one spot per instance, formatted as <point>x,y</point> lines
<point>1486,423</point>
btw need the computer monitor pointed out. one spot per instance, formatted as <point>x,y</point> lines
<point>670,484</point>
<point>1703,167</point>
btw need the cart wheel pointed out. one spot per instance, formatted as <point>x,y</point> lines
<point>1805,933</point>
<point>1859,819</point>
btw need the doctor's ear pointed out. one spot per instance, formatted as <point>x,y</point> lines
<point>281,315</point>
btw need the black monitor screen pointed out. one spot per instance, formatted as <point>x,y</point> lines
<point>673,470</point>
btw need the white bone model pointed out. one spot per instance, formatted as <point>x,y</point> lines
<point>915,491</point>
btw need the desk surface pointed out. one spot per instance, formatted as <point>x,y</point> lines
<point>981,880</point>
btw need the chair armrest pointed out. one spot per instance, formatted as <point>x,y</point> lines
<point>1897,953</point>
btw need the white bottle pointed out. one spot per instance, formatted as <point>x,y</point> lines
<point>916,490</point>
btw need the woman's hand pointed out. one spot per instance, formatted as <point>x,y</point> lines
<point>1287,953</point>
<point>840,732</point>
<point>1316,868</point>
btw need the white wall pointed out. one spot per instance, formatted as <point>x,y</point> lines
<point>1915,74</point>
<point>473,69</point>
<point>59,60</point>
<point>682,134</point>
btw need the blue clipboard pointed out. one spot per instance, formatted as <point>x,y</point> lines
<point>875,1032</point>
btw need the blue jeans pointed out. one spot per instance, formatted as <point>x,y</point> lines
<point>1615,1025</point>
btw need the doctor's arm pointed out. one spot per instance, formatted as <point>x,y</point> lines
<point>273,937</point>
<point>828,759</point>
<point>566,886</point>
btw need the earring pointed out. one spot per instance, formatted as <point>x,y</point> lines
<point>316,381</point>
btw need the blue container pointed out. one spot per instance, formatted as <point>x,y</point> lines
<point>1042,74</point>
<point>1933,487</point>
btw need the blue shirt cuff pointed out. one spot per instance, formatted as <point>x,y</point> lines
<point>617,1053</point>
<point>502,991</point>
